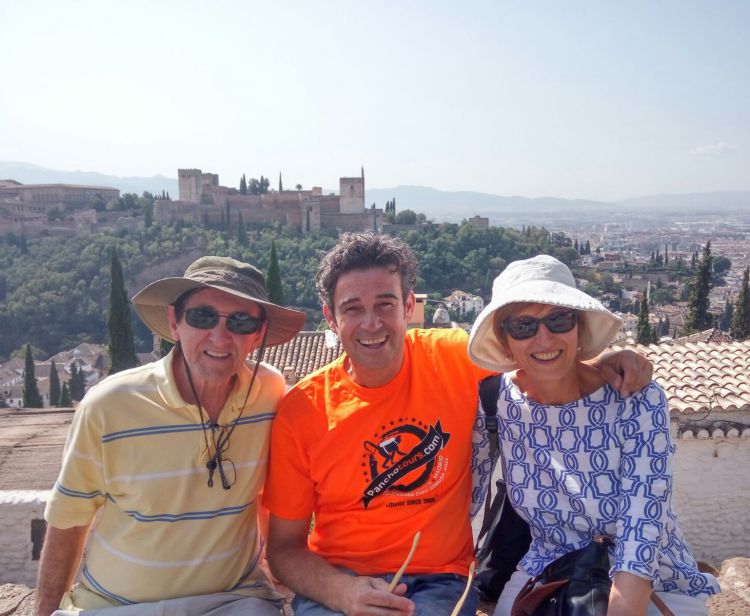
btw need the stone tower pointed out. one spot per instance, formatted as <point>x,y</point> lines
<point>352,191</point>
<point>190,183</point>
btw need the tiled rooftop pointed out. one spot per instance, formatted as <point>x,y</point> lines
<point>304,354</point>
<point>710,335</point>
<point>703,376</point>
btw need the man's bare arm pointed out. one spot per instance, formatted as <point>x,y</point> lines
<point>61,556</point>
<point>625,370</point>
<point>313,577</point>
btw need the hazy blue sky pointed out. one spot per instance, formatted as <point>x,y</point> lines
<point>591,99</point>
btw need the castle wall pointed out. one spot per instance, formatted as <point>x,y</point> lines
<point>351,222</point>
<point>56,194</point>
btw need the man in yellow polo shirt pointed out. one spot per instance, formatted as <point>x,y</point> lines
<point>172,455</point>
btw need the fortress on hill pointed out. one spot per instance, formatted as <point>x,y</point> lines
<point>203,200</point>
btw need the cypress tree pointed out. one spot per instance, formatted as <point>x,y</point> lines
<point>121,345</point>
<point>699,318</point>
<point>76,383</point>
<point>241,233</point>
<point>54,385</point>
<point>273,279</point>
<point>243,185</point>
<point>31,397</point>
<point>643,333</point>
<point>281,186</point>
<point>65,400</point>
<point>740,327</point>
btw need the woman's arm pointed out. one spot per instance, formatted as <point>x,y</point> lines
<point>645,494</point>
<point>629,595</point>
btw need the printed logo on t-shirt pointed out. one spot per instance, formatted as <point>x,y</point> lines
<point>405,459</point>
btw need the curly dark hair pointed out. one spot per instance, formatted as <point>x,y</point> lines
<point>364,251</point>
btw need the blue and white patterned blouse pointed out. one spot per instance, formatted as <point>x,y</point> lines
<point>596,466</point>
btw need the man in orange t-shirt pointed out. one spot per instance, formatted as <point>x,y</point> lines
<point>377,445</point>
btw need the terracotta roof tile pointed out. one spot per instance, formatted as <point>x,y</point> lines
<point>303,354</point>
<point>699,376</point>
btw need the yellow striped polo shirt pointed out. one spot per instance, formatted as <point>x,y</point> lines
<point>136,453</point>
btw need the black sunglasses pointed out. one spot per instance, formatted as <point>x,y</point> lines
<point>237,322</point>
<point>523,328</point>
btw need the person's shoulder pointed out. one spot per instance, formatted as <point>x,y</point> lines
<point>652,394</point>
<point>126,381</point>
<point>119,386</point>
<point>439,339</point>
<point>313,386</point>
<point>270,377</point>
<point>268,373</point>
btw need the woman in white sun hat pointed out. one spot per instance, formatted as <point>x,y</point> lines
<point>582,460</point>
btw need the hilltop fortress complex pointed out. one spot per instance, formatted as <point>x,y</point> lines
<point>203,200</point>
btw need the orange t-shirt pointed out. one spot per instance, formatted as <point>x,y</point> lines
<point>376,465</point>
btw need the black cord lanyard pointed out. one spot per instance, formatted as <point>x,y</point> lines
<point>213,459</point>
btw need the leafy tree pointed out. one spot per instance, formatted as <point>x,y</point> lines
<point>699,318</point>
<point>298,187</point>
<point>3,401</point>
<point>97,203</point>
<point>31,397</point>
<point>273,279</point>
<point>259,187</point>
<point>721,265</point>
<point>65,400</point>
<point>740,325</point>
<point>406,217</point>
<point>54,385</point>
<point>121,344</point>
<point>643,332</point>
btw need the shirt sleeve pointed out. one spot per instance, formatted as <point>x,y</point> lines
<point>290,491</point>
<point>646,482</point>
<point>80,489</point>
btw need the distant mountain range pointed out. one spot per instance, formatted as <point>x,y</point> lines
<point>445,206</point>
<point>549,211</point>
<point>27,173</point>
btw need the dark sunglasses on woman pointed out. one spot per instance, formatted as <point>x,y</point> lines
<point>523,328</point>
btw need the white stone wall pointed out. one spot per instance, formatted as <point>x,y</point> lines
<point>17,509</point>
<point>712,495</point>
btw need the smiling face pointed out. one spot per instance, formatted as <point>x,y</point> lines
<point>544,356</point>
<point>214,355</point>
<point>369,315</point>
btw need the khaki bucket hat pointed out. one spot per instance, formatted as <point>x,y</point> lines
<point>224,274</point>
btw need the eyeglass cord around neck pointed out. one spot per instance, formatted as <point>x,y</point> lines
<point>215,458</point>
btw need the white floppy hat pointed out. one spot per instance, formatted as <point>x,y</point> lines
<point>540,280</point>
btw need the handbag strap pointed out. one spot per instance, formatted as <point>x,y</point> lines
<point>489,391</point>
